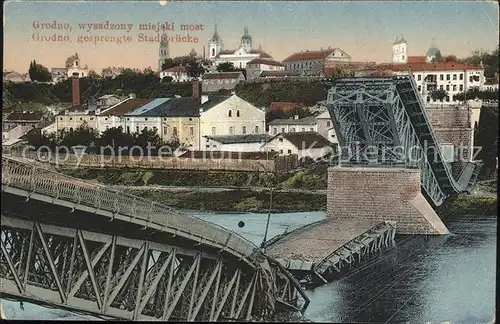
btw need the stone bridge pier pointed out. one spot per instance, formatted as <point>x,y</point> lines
<point>382,194</point>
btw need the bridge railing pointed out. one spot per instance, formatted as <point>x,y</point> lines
<point>42,181</point>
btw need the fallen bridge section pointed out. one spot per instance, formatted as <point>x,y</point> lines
<point>320,252</point>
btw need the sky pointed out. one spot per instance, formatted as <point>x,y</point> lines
<point>365,30</point>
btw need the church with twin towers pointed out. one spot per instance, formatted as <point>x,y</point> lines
<point>240,56</point>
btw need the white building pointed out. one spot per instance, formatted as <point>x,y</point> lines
<point>163,51</point>
<point>400,51</point>
<point>234,143</point>
<point>313,62</point>
<point>304,144</point>
<point>240,56</point>
<point>491,85</point>
<point>177,73</point>
<point>452,77</point>
<point>230,116</point>
<point>256,66</point>
<point>293,125</point>
<point>325,127</point>
<point>111,72</point>
<point>16,77</point>
<point>72,67</point>
<point>106,101</point>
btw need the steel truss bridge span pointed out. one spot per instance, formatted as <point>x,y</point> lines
<point>88,248</point>
<point>388,114</point>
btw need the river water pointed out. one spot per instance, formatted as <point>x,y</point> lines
<point>420,279</point>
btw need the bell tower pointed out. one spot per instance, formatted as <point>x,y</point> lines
<point>215,45</point>
<point>163,52</point>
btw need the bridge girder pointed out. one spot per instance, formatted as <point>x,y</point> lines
<point>133,279</point>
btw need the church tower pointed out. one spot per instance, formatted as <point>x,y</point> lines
<point>163,52</point>
<point>215,45</point>
<point>400,51</point>
<point>246,41</point>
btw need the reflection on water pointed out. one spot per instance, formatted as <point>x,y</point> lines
<point>420,279</point>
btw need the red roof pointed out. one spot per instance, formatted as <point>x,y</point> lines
<point>126,107</point>
<point>265,61</point>
<point>177,69</point>
<point>309,55</point>
<point>284,106</point>
<point>448,66</point>
<point>416,59</point>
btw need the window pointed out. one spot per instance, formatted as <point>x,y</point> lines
<point>191,131</point>
<point>470,80</point>
<point>419,88</point>
<point>441,87</point>
<point>244,130</point>
<point>292,130</point>
<point>311,129</point>
<point>441,77</point>
<point>213,130</point>
<point>230,113</point>
<point>454,76</point>
<point>165,130</point>
<point>72,118</point>
<point>461,76</point>
<point>231,130</point>
<point>81,118</point>
<point>107,127</point>
<point>61,118</point>
<point>145,119</point>
<point>454,87</point>
<point>447,77</point>
<point>71,129</point>
<point>303,129</point>
<point>275,130</point>
<point>281,140</point>
<point>281,151</point>
<point>256,129</point>
<point>128,129</point>
<point>155,129</point>
<point>91,118</point>
<point>190,119</point>
<point>237,113</point>
<point>447,87</point>
<point>283,129</point>
<point>419,77</point>
<point>289,151</point>
<point>428,99</point>
<point>145,128</point>
<point>447,98</point>
<point>174,132</point>
<point>461,87</point>
<point>327,124</point>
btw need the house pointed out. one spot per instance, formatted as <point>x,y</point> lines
<point>16,77</point>
<point>177,73</point>
<point>255,67</point>
<point>491,85</point>
<point>292,125</point>
<point>59,74</point>
<point>107,101</point>
<point>230,115</point>
<point>113,116</point>
<point>215,81</point>
<point>314,61</point>
<point>73,118</point>
<point>325,127</point>
<point>304,144</point>
<point>235,143</point>
<point>24,118</point>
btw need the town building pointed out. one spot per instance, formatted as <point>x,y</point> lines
<point>240,56</point>
<point>107,101</point>
<point>114,116</point>
<point>16,77</point>
<point>256,66</point>
<point>315,62</point>
<point>304,144</point>
<point>111,72</point>
<point>292,125</point>
<point>17,124</point>
<point>215,81</point>
<point>235,143</point>
<point>324,125</point>
<point>231,115</point>
<point>163,51</point>
<point>177,73</point>
<point>72,68</point>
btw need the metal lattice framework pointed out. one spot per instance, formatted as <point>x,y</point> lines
<point>383,121</point>
<point>119,276</point>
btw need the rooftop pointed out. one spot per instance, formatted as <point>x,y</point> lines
<point>309,120</point>
<point>306,140</point>
<point>213,101</point>
<point>265,61</point>
<point>36,115</point>
<point>229,155</point>
<point>178,69</point>
<point>176,107</point>
<point>441,66</point>
<point>148,106</point>
<point>125,107</point>
<point>311,55</point>
<point>278,73</point>
<point>234,139</point>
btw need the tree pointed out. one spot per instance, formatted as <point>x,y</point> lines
<point>225,67</point>
<point>450,58</point>
<point>148,70</point>
<point>195,69</point>
<point>167,64</point>
<point>147,138</point>
<point>93,74</point>
<point>439,95</point>
<point>167,79</point>
<point>38,72</point>
<point>115,137</point>
<point>82,135</point>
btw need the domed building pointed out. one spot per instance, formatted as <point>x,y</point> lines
<point>240,56</point>
<point>432,53</point>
